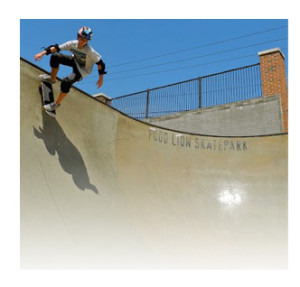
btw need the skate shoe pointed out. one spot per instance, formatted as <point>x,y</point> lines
<point>46,78</point>
<point>51,107</point>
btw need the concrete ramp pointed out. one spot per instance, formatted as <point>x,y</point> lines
<point>101,190</point>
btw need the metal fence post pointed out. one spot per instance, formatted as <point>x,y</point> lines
<point>200,92</point>
<point>147,104</point>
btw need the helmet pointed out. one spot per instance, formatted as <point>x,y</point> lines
<point>85,32</point>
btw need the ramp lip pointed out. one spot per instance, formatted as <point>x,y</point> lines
<point>151,125</point>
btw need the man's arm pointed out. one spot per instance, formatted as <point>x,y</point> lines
<point>47,51</point>
<point>101,71</point>
<point>100,81</point>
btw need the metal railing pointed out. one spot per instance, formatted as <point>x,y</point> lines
<point>218,89</point>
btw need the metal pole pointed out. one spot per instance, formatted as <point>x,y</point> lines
<point>147,104</point>
<point>200,92</point>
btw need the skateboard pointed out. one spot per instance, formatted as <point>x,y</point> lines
<point>46,91</point>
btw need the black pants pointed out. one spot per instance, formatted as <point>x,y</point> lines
<point>66,60</point>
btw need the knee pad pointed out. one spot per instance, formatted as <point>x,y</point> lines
<point>54,61</point>
<point>65,85</point>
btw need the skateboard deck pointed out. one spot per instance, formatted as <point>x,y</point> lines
<point>47,96</point>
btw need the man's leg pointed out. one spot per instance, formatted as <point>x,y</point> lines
<point>54,72</point>
<point>56,60</point>
<point>61,97</point>
<point>66,84</point>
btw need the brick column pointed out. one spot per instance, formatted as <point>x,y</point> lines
<point>273,79</point>
<point>103,98</point>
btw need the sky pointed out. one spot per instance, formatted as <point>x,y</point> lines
<point>141,54</point>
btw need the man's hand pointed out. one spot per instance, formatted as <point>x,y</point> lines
<point>100,81</point>
<point>39,56</point>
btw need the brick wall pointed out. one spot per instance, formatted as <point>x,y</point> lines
<point>273,78</point>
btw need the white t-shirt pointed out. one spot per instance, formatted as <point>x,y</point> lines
<point>85,58</point>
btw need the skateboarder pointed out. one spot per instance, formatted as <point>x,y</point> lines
<point>82,61</point>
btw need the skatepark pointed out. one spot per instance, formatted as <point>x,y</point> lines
<point>102,190</point>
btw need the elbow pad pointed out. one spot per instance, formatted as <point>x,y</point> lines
<point>48,49</point>
<point>102,70</point>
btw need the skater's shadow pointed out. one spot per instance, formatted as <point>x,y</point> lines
<point>70,158</point>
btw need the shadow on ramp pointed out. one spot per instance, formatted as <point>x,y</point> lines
<point>70,159</point>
